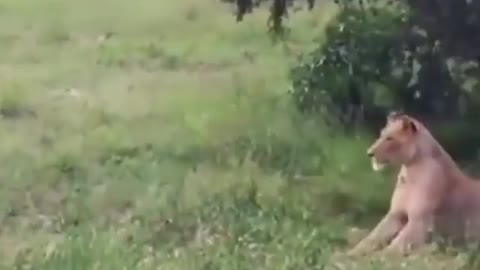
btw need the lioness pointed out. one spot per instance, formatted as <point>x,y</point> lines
<point>431,194</point>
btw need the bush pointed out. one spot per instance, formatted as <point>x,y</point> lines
<point>359,65</point>
<point>376,58</point>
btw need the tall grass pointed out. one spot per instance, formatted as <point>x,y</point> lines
<point>156,135</point>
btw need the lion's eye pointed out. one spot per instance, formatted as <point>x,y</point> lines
<point>389,138</point>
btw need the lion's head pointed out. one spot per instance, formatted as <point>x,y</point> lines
<point>396,144</point>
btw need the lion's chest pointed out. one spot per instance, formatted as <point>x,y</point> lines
<point>413,191</point>
<point>401,194</point>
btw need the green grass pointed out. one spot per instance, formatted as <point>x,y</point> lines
<point>157,135</point>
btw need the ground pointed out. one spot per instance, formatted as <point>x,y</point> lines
<point>151,135</point>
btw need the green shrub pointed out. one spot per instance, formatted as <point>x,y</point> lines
<point>359,58</point>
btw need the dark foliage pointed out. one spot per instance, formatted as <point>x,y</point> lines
<point>352,70</point>
<point>413,55</point>
<point>278,10</point>
<point>421,57</point>
<point>243,7</point>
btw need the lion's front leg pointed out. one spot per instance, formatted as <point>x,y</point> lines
<point>414,234</point>
<point>385,231</point>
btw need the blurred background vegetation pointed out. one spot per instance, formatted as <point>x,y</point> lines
<point>216,134</point>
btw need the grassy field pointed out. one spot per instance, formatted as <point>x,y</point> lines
<point>158,135</point>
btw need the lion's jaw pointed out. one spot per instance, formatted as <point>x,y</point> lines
<point>376,165</point>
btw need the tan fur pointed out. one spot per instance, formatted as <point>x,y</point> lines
<point>431,194</point>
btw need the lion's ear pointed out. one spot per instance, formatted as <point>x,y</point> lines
<point>394,115</point>
<point>409,125</point>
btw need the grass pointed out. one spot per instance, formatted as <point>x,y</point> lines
<point>149,135</point>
